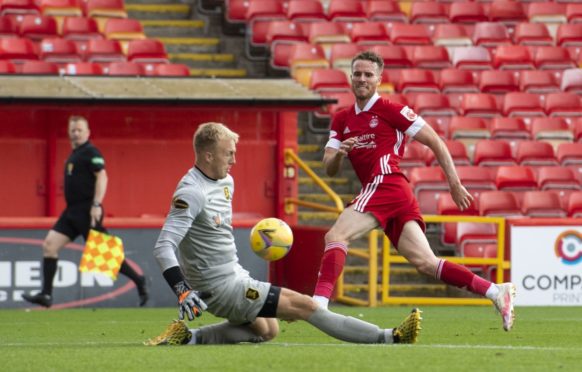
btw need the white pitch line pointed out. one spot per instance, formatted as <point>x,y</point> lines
<point>430,346</point>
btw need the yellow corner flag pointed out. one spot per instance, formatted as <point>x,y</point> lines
<point>103,254</point>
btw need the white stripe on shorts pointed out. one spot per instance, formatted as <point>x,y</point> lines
<point>367,193</point>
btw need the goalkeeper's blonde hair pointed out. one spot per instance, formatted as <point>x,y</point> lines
<point>208,134</point>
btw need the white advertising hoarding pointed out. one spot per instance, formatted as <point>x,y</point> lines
<point>546,264</point>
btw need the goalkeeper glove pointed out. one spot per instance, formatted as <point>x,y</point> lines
<point>191,304</point>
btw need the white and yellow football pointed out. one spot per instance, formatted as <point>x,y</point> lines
<point>271,239</point>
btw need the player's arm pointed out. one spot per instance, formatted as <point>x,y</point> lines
<point>427,136</point>
<point>100,190</point>
<point>182,213</point>
<point>335,152</point>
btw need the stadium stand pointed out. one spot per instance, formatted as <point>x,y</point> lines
<point>575,205</point>
<point>499,204</point>
<point>542,204</point>
<point>428,184</point>
<point>40,68</point>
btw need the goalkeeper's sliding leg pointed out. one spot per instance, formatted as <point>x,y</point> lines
<point>291,306</point>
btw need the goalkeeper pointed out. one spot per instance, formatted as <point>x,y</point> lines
<point>197,255</point>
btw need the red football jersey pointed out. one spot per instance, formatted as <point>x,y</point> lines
<point>380,130</point>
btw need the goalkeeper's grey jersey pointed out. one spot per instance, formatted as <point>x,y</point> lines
<point>198,230</point>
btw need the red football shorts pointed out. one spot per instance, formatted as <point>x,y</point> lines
<point>389,198</point>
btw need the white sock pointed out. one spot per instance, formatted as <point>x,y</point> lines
<point>492,292</point>
<point>192,341</point>
<point>321,301</point>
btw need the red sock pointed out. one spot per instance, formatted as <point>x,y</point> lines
<point>331,267</point>
<point>460,276</point>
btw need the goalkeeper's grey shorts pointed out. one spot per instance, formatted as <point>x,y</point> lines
<point>239,300</point>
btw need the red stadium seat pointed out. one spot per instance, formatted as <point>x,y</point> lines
<point>433,104</point>
<point>458,153</point>
<point>498,82</point>
<point>479,104</point>
<point>468,129</point>
<point>509,129</point>
<point>106,9</point>
<point>451,35</point>
<point>558,179</point>
<point>39,68</point>
<point>490,34</point>
<point>570,153</point>
<point>467,12</point>
<point>516,179</point>
<point>236,11</point>
<point>446,206</point>
<point>284,32</point>
<point>522,104</point>
<point>513,57</point>
<point>83,69</point>
<point>569,35</point>
<point>341,55</point>
<point>458,81</point>
<point>471,238</point>
<point>573,13</point>
<point>123,29</point>
<point>147,51</point>
<point>414,155</point>
<point>490,153</point>
<point>532,34</point>
<point>430,12</point>
<point>326,33</point>
<point>577,129</point>
<point>572,81</point>
<point>329,80</point>
<point>68,8</point>
<point>59,51</point>
<point>19,7</point>
<point>538,82</point>
<point>507,12</point>
<point>553,58</point>
<point>38,27</point>
<point>430,57</point>
<point>476,179</point>
<point>534,153</point>
<point>344,99</point>
<point>554,130</point>
<point>8,27</point>
<point>305,11</point>
<point>472,58</point>
<point>428,184</point>
<point>394,56</point>
<point>125,69</point>
<point>547,12</point>
<point>104,51</point>
<point>172,69</point>
<point>499,204</point>
<point>385,11</point>
<point>17,50</point>
<point>416,80</point>
<point>363,33</point>
<point>406,34</point>
<point>574,206</point>
<point>80,28</point>
<point>397,98</point>
<point>346,11</point>
<point>7,67</point>
<point>542,204</point>
<point>305,56</point>
<point>563,104</point>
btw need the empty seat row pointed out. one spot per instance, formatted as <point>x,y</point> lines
<point>95,69</point>
<point>418,12</point>
<point>89,8</point>
<point>76,28</point>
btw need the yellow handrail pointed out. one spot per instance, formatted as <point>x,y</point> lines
<point>291,158</point>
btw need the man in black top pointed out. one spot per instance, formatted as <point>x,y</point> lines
<point>85,187</point>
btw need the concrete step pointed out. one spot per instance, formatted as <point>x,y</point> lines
<point>218,72</point>
<point>158,11</point>
<point>339,185</point>
<point>324,198</point>
<point>191,44</point>
<point>204,60</point>
<point>174,27</point>
<point>316,218</point>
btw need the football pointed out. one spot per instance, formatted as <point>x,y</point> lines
<point>271,239</point>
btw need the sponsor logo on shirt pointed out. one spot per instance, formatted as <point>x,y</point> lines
<point>179,203</point>
<point>374,122</point>
<point>408,113</point>
<point>366,141</point>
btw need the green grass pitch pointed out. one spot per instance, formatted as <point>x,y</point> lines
<point>452,339</point>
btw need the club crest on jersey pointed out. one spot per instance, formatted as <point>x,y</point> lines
<point>374,122</point>
<point>252,294</point>
<point>408,113</point>
<point>227,193</point>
